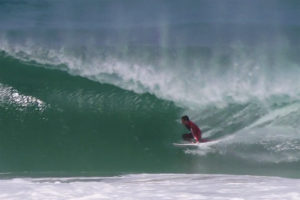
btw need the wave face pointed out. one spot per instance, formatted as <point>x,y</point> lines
<point>98,87</point>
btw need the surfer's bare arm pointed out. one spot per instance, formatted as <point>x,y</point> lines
<point>187,127</point>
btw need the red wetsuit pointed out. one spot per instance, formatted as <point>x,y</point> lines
<point>196,132</point>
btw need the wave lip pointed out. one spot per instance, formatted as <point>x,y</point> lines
<point>240,75</point>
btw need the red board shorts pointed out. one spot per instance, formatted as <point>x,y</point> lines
<point>188,137</point>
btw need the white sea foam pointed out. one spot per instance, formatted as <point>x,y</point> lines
<point>152,186</point>
<point>10,96</point>
<point>249,76</point>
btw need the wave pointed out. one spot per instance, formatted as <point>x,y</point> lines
<point>246,98</point>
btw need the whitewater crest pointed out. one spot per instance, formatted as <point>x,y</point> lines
<point>242,78</point>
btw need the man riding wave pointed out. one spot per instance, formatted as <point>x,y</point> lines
<point>195,135</point>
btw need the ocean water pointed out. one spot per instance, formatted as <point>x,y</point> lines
<point>91,95</point>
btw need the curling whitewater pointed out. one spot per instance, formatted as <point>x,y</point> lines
<point>152,186</point>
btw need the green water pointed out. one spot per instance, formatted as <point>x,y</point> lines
<point>86,128</point>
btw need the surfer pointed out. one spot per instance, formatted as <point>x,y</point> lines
<point>195,135</point>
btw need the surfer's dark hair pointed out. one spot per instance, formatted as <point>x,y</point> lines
<point>185,118</point>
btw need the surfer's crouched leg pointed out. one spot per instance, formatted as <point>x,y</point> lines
<point>188,137</point>
<point>204,140</point>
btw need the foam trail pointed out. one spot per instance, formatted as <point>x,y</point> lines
<point>274,144</point>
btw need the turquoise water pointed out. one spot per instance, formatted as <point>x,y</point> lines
<point>98,88</point>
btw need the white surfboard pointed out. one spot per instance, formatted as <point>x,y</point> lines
<point>186,144</point>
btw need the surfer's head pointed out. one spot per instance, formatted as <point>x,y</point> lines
<point>185,119</point>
